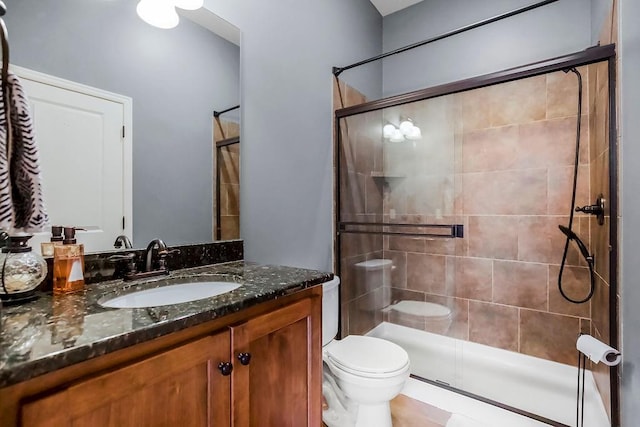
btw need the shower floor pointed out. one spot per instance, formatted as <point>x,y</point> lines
<point>528,383</point>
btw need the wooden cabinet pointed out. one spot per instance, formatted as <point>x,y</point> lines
<point>271,388</point>
<point>177,387</point>
<point>272,377</point>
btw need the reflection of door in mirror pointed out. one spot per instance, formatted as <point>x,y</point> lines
<point>85,157</point>
<point>226,223</point>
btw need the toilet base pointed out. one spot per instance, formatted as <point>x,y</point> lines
<point>378,415</point>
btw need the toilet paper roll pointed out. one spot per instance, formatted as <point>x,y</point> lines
<point>598,351</point>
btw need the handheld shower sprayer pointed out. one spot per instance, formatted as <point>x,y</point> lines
<point>594,210</point>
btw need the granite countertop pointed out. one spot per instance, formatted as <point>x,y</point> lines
<point>54,332</point>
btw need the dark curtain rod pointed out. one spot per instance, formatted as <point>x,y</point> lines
<point>217,113</point>
<point>338,70</point>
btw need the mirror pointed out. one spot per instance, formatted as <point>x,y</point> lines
<point>174,80</point>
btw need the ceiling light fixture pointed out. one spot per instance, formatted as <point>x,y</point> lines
<point>162,13</point>
<point>159,13</point>
<point>188,4</point>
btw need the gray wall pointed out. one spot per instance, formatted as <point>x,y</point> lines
<point>288,49</point>
<point>549,31</point>
<point>176,78</point>
<point>599,12</point>
<point>629,11</point>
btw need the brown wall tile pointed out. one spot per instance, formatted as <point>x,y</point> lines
<point>230,227</point>
<point>459,327</point>
<point>472,278</point>
<point>521,101</point>
<point>575,284</point>
<point>551,143</point>
<point>426,273</point>
<point>549,336</point>
<point>407,244</point>
<point>562,93</point>
<point>505,193</point>
<point>491,149</point>
<point>600,246</point>
<point>229,166</point>
<point>494,325</point>
<point>373,195</point>
<point>600,178</point>
<point>540,240</point>
<point>399,270</point>
<point>601,375</point>
<point>520,284</point>
<point>493,237</point>
<point>560,189</point>
<point>476,109</point>
<point>600,309</point>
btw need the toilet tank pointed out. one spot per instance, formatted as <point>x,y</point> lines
<point>330,309</point>
<point>373,274</point>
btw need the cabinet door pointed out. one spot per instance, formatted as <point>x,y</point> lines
<point>283,375</point>
<point>182,386</point>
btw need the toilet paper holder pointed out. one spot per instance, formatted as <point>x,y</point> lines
<point>597,351</point>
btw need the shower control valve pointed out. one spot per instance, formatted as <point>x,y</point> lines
<point>596,209</point>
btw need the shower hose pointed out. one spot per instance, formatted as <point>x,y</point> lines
<point>568,231</point>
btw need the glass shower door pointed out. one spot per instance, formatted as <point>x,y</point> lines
<point>399,231</point>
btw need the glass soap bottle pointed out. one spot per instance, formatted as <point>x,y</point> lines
<point>68,264</point>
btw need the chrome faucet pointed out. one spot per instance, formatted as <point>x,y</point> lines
<point>122,240</point>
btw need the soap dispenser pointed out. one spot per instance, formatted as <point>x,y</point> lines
<point>46,248</point>
<point>68,264</point>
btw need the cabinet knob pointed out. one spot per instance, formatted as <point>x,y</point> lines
<point>225,368</point>
<point>244,358</point>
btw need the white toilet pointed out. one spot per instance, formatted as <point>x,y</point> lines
<point>361,374</point>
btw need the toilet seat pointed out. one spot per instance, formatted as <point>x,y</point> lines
<point>428,310</point>
<point>367,356</point>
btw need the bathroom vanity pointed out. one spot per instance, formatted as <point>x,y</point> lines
<point>248,357</point>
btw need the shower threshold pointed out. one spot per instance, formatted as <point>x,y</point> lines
<point>540,389</point>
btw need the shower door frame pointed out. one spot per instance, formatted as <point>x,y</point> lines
<point>218,211</point>
<point>586,57</point>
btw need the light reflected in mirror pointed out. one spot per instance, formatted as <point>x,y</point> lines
<point>174,80</point>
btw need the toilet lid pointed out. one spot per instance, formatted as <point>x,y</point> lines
<point>367,355</point>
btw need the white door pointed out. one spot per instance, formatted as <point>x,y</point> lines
<point>84,158</point>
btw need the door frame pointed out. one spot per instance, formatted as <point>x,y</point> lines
<point>126,136</point>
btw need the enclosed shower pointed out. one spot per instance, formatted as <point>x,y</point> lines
<point>448,207</point>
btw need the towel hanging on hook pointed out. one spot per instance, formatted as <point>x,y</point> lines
<point>21,201</point>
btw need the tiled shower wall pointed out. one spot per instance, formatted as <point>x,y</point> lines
<point>498,160</point>
<point>229,159</point>
<point>501,165</point>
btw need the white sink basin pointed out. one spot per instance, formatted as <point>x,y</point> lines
<point>169,295</point>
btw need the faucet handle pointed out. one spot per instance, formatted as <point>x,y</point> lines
<point>169,251</point>
<point>162,256</point>
<point>130,258</point>
<point>124,257</point>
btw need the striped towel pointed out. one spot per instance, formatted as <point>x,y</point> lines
<point>21,200</point>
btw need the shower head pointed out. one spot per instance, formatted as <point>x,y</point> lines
<point>573,236</point>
